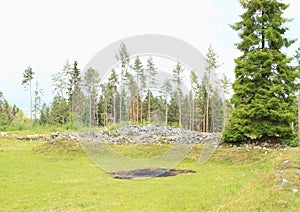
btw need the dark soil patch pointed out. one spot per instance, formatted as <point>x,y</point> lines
<point>148,172</point>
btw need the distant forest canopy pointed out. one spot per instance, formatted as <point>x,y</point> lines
<point>136,91</point>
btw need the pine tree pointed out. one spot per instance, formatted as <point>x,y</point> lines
<point>73,83</point>
<point>37,101</point>
<point>166,91</point>
<point>178,79</point>
<point>137,67</point>
<point>226,86</point>
<point>113,81</point>
<point>264,100</point>
<point>200,103</point>
<point>27,78</point>
<point>151,72</point>
<point>123,56</point>
<point>194,83</point>
<point>91,80</point>
<point>60,80</point>
<point>211,65</point>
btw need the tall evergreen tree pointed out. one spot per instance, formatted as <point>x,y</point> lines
<point>211,65</point>
<point>60,80</point>
<point>151,72</point>
<point>178,80</point>
<point>166,91</point>
<point>264,100</point>
<point>27,78</point>
<point>112,82</point>
<point>194,83</point>
<point>226,87</point>
<point>131,87</point>
<point>137,67</point>
<point>44,115</point>
<point>73,83</point>
<point>123,56</point>
<point>37,101</point>
<point>90,82</point>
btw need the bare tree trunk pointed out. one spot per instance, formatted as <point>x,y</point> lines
<point>207,103</point>
<point>30,104</point>
<point>179,108</point>
<point>137,108</point>
<point>115,115</point>
<point>149,107</point>
<point>141,114</point>
<point>105,110</point>
<point>224,114</point>
<point>121,95</point>
<point>193,114</point>
<point>167,112</point>
<point>96,121</point>
<point>90,110</point>
<point>131,107</point>
<point>299,111</point>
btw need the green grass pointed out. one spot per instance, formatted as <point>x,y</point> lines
<point>58,176</point>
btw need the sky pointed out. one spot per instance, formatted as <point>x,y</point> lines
<point>44,34</point>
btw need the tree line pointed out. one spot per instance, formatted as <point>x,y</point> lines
<point>132,93</point>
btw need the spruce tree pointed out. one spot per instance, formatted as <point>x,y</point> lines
<point>264,89</point>
<point>137,67</point>
<point>27,78</point>
<point>151,72</point>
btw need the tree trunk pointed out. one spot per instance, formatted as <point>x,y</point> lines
<point>105,110</point>
<point>121,95</point>
<point>299,111</point>
<point>149,107</point>
<point>166,112</point>
<point>90,109</point>
<point>115,115</point>
<point>30,104</point>
<point>137,108</point>
<point>193,113</point>
<point>207,114</point>
<point>179,108</point>
<point>141,114</point>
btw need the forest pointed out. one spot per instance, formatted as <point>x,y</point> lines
<point>133,92</point>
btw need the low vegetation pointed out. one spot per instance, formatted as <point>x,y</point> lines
<point>58,176</point>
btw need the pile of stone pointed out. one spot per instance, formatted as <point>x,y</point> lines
<point>147,135</point>
<point>132,135</point>
<point>59,135</point>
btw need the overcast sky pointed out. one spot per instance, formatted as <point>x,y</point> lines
<point>44,34</point>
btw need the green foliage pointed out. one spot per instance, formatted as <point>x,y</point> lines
<point>265,82</point>
<point>11,117</point>
<point>59,112</point>
<point>27,76</point>
<point>20,122</point>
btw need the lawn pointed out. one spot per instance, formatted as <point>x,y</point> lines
<point>58,176</point>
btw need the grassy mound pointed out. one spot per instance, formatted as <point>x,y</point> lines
<point>59,146</point>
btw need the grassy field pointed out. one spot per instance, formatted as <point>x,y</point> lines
<point>58,176</point>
